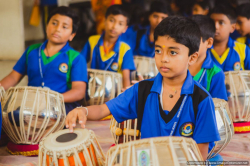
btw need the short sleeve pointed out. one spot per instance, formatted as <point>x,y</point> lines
<point>206,126</point>
<point>86,52</point>
<point>79,69</point>
<point>128,61</point>
<point>21,65</point>
<point>125,105</point>
<point>218,87</point>
<point>247,58</point>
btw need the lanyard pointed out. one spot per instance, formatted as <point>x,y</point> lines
<point>40,66</point>
<point>202,75</point>
<point>106,68</point>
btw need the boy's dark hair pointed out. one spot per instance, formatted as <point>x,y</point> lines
<point>160,7</point>
<point>183,30</point>
<point>244,10</point>
<point>203,4</point>
<point>227,10</point>
<point>66,11</point>
<point>206,25</point>
<point>116,10</point>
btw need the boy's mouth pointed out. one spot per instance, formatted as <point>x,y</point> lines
<point>55,35</point>
<point>164,69</point>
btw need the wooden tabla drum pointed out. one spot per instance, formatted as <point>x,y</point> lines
<point>125,131</point>
<point>158,151</point>
<point>238,89</point>
<point>145,66</point>
<point>63,148</point>
<point>29,114</point>
<point>102,86</point>
<point>224,124</point>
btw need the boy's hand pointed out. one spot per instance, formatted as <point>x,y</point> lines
<point>133,82</point>
<point>74,115</point>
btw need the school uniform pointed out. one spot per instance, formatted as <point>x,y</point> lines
<point>236,57</point>
<point>245,40</point>
<point>196,120</point>
<point>120,58</point>
<point>212,78</point>
<point>57,72</point>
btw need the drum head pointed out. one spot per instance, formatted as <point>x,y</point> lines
<point>64,139</point>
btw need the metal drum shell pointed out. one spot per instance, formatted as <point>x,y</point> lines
<point>102,86</point>
<point>31,113</point>
<point>2,92</point>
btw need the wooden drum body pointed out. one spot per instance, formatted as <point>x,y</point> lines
<point>102,86</point>
<point>31,113</point>
<point>224,124</point>
<point>167,151</point>
<point>71,149</point>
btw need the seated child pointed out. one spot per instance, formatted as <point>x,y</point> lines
<point>204,70</point>
<point>158,102</point>
<point>200,8</point>
<point>108,51</point>
<point>226,53</point>
<point>243,23</point>
<point>54,64</point>
<point>142,42</point>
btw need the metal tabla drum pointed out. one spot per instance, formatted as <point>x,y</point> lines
<point>71,149</point>
<point>102,86</point>
<point>238,89</point>
<point>31,113</point>
<point>145,66</point>
<point>157,151</point>
<point>224,124</point>
<point>125,131</point>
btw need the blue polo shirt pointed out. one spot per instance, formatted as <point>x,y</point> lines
<point>155,123</point>
<point>59,71</point>
<point>236,57</point>
<point>48,2</point>
<point>120,58</point>
<point>245,40</point>
<point>212,78</point>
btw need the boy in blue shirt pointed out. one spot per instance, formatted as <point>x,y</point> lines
<point>228,54</point>
<point>142,42</point>
<point>108,51</point>
<point>54,64</point>
<point>243,23</point>
<point>172,103</point>
<point>204,70</point>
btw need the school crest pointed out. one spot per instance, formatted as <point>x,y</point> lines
<point>237,66</point>
<point>63,67</point>
<point>114,66</point>
<point>187,129</point>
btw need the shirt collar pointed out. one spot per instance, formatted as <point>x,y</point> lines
<point>230,43</point>
<point>65,47</point>
<point>208,63</point>
<point>187,87</point>
<point>116,46</point>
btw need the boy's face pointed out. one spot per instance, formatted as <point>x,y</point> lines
<point>115,25</point>
<point>155,18</point>
<point>199,10</point>
<point>59,29</point>
<point>223,27</point>
<point>243,25</point>
<point>172,58</point>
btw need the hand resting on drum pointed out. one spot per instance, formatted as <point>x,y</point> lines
<point>133,82</point>
<point>95,112</point>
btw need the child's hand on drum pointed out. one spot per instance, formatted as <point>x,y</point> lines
<point>134,82</point>
<point>80,114</point>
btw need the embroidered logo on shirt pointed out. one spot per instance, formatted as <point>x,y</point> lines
<point>187,129</point>
<point>114,66</point>
<point>63,67</point>
<point>143,157</point>
<point>237,66</point>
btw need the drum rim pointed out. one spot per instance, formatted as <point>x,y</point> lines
<point>104,72</point>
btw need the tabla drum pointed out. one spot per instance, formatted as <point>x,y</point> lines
<point>157,151</point>
<point>145,66</point>
<point>102,86</point>
<point>238,84</point>
<point>63,148</point>
<point>125,131</point>
<point>2,91</point>
<point>29,114</point>
<point>224,124</point>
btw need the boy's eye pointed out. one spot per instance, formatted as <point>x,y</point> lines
<point>157,51</point>
<point>64,27</point>
<point>221,22</point>
<point>54,23</point>
<point>111,20</point>
<point>155,16</point>
<point>173,53</point>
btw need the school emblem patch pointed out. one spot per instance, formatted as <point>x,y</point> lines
<point>237,66</point>
<point>63,67</point>
<point>187,129</point>
<point>114,66</point>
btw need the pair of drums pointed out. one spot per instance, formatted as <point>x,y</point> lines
<point>82,149</point>
<point>127,131</point>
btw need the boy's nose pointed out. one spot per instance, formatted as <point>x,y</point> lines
<point>165,58</point>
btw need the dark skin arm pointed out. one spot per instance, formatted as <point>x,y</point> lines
<point>11,80</point>
<point>204,150</point>
<point>76,93</point>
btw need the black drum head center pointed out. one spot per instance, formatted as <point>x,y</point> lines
<point>66,137</point>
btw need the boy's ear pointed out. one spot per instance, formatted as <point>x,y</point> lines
<point>210,42</point>
<point>193,58</point>
<point>72,36</point>
<point>233,27</point>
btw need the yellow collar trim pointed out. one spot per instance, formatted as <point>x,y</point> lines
<point>105,57</point>
<point>222,58</point>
